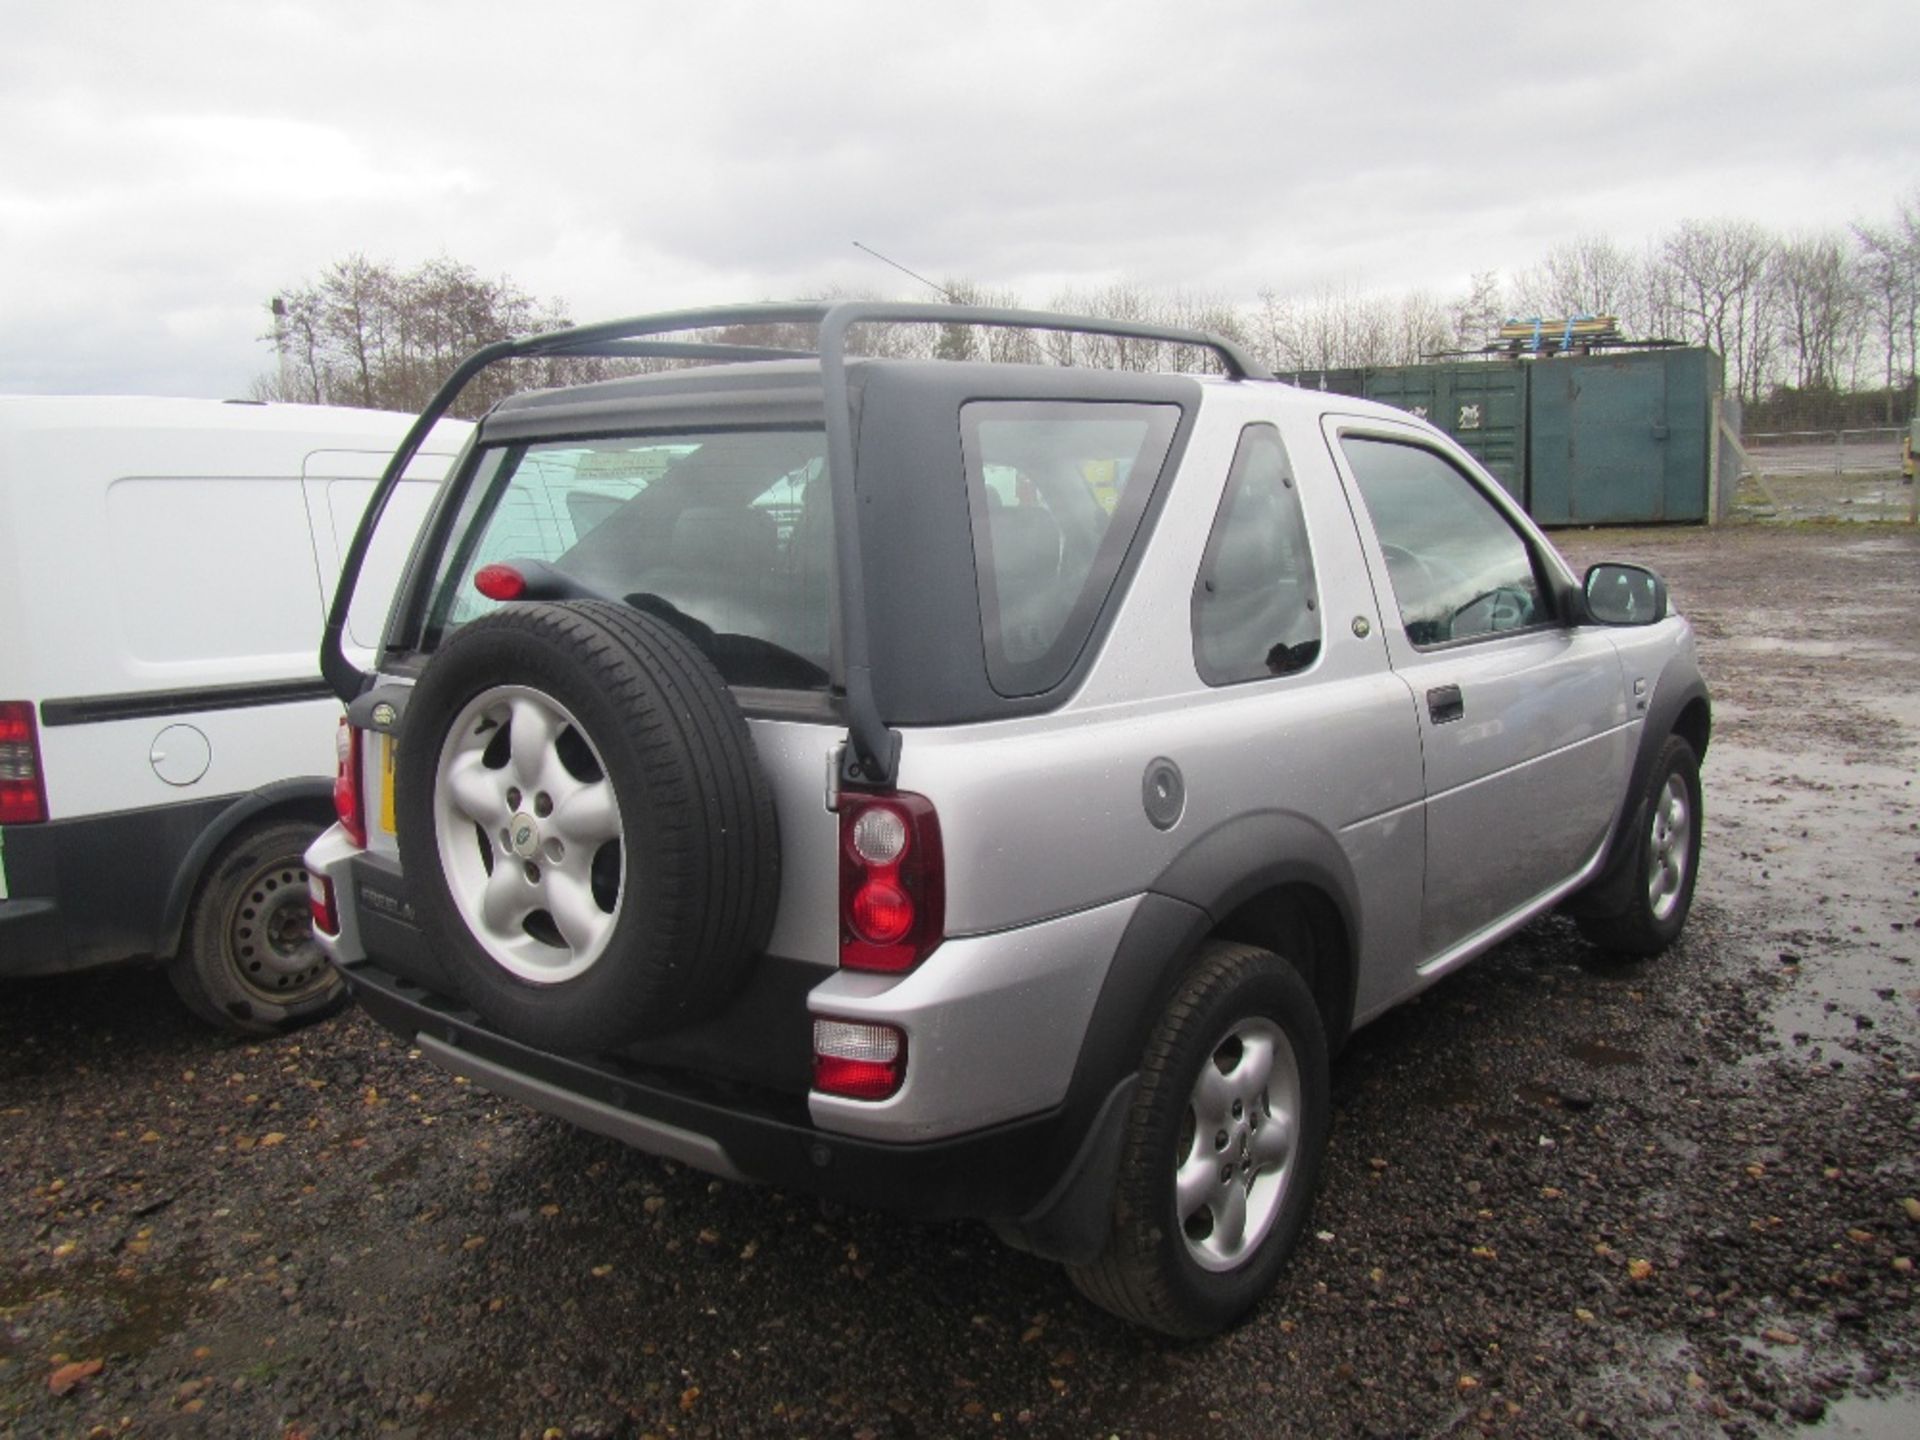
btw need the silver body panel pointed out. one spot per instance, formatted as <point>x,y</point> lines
<point>993,1024</point>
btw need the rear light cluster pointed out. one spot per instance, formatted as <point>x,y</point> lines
<point>348,802</point>
<point>23,790</point>
<point>893,913</point>
<point>857,1060</point>
<point>893,889</point>
<point>320,904</point>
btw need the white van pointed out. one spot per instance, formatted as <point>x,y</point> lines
<point>166,742</point>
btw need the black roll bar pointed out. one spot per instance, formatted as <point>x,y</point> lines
<point>873,754</point>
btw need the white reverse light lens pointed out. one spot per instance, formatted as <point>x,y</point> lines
<point>844,1040</point>
<point>879,835</point>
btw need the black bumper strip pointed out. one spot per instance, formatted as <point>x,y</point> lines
<point>149,704</point>
<point>761,1135</point>
<point>652,1136</point>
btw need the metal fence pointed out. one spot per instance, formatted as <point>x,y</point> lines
<point>1874,451</point>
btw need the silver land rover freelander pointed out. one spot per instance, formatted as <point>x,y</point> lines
<point>984,790</point>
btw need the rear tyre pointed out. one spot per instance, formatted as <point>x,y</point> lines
<point>248,962</point>
<point>1223,1148</point>
<point>588,839</point>
<point>1665,863</point>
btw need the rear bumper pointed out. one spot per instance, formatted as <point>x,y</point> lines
<point>32,939</point>
<point>1000,1119</point>
<point>1003,1173</point>
<point>94,890</point>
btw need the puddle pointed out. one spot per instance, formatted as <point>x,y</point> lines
<point>1599,1053</point>
<point>1902,710</point>
<point>1778,645</point>
<point>131,1311</point>
<point>1824,853</point>
<point>1871,1417</point>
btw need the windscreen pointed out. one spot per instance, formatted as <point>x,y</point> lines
<point>725,535</point>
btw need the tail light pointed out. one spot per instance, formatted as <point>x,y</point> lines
<point>348,802</point>
<point>856,1060</point>
<point>23,789</point>
<point>320,905</point>
<point>893,888</point>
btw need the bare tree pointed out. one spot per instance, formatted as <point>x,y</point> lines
<point>1816,291</point>
<point>1588,275</point>
<point>1719,269</point>
<point>367,334</point>
<point>1478,313</point>
<point>1890,294</point>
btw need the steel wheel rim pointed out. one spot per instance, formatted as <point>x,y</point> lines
<point>269,935</point>
<point>1235,1155</point>
<point>1669,852</point>
<point>528,831</point>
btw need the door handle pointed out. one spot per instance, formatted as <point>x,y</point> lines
<point>1444,704</point>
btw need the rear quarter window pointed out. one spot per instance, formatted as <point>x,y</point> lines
<point>1056,490</point>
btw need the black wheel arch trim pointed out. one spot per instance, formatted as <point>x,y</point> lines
<point>283,799</point>
<point>1679,688</point>
<point>1204,885</point>
<point>1254,854</point>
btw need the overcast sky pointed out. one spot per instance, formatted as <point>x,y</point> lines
<point>165,167</point>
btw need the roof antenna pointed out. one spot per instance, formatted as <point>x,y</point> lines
<point>940,290</point>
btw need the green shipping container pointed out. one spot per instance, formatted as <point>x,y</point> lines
<point>1623,438</point>
<point>1482,404</point>
<point>1335,382</point>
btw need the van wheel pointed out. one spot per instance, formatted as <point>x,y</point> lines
<point>249,962</point>
<point>1223,1148</point>
<point>587,835</point>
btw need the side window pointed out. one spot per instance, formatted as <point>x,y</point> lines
<point>1459,570</point>
<point>1056,491</point>
<point>1255,608</point>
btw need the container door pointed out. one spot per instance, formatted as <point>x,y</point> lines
<point>1600,440</point>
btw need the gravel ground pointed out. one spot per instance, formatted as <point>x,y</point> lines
<point>1564,1196</point>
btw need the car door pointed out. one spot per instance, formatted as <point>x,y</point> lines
<point>1524,719</point>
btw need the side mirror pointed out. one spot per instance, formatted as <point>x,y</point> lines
<point>1625,595</point>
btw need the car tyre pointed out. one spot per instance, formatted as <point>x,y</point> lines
<point>584,824</point>
<point>1223,1148</point>
<point>1666,859</point>
<point>248,962</point>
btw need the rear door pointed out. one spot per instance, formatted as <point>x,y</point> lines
<point>1523,719</point>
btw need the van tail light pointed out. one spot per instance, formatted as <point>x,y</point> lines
<point>858,1061</point>
<point>348,801</point>
<point>320,905</point>
<point>893,884</point>
<point>23,786</point>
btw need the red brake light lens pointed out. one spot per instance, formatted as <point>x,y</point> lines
<point>348,803</point>
<point>882,913</point>
<point>23,789</point>
<point>893,896</point>
<point>500,582</point>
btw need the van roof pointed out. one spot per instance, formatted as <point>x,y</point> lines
<point>152,412</point>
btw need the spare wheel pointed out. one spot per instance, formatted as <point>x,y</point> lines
<point>588,839</point>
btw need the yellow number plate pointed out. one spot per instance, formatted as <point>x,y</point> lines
<point>386,785</point>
